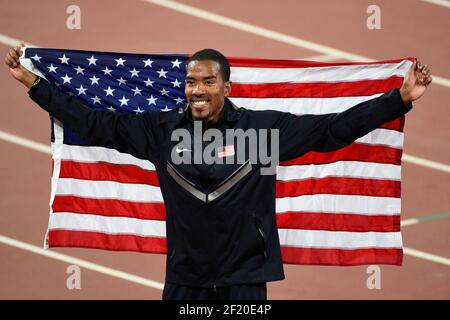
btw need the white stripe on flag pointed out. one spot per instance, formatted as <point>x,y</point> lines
<point>384,137</point>
<point>319,74</point>
<point>351,169</point>
<point>109,225</point>
<point>339,239</point>
<point>97,154</point>
<point>302,105</point>
<point>333,203</point>
<point>109,190</point>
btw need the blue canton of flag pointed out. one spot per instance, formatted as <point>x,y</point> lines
<point>132,83</point>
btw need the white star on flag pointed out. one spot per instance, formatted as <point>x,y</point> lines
<point>164,92</point>
<point>124,101</point>
<point>79,70</point>
<point>92,60</point>
<point>94,79</point>
<point>120,62</point>
<point>36,58</point>
<point>66,79</point>
<point>121,81</point>
<point>176,63</point>
<point>148,63</point>
<point>176,83</point>
<point>52,68</point>
<point>179,100</point>
<point>149,83</point>
<point>107,71</point>
<point>96,99</point>
<point>64,59</point>
<point>152,100</point>
<point>162,73</point>
<point>139,110</point>
<point>109,91</point>
<point>137,91</point>
<point>134,72</point>
<point>81,90</point>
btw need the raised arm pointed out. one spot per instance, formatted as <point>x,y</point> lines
<point>329,132</point>
<point>133,134</point>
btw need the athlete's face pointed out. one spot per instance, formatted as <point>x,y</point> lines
<point>206,89</point>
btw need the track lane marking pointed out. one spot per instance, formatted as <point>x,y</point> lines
<point>13,41</point>
<point>24,142</point>
<point>431,217</point>
<point>442,3</point>
<point>426,256</point>
<point>82,263</point>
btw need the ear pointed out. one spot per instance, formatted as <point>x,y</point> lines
<point>228,86</point>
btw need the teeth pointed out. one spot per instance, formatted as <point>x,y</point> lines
<point>200,103</point>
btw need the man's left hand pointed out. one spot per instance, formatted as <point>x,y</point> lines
<point>415,83</point>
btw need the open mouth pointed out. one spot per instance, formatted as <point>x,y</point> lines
<point>200,104</point>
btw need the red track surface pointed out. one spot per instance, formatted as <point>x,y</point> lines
<point>409,28</point>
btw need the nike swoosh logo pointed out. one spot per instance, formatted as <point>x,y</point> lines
<point>181,150</point>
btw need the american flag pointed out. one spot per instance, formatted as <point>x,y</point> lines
<point>335,208</point>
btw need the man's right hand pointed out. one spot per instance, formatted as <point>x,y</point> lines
<point>16,69</point>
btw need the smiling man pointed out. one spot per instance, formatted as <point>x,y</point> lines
<point>207,84</point>
<point>222,238</point>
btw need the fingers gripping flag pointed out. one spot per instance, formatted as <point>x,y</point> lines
<point>335,208</point>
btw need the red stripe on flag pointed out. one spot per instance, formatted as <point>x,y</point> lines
<point>353,152</point>
<point>315,89</point>
<point>96,240</point>
<point>339,185</point>
<point>109,207</point>
<point>341,257</point>
<point>338,222</point>
<point>107,171</point>
<point>397,124</point>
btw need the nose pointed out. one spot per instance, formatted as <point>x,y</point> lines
<point>198,89</point>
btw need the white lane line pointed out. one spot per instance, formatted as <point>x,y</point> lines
<point>412,221</point>
<point>426,163</point>
<point>270,34</point>
<point>23,142</point>
<point>442,3</point>
<point>409,222</point>
<point>426,256</point>
<point>82,263</point>
<point>13,42</point>
<point>27,143</point>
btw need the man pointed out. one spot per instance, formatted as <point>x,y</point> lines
<point>222,240</point>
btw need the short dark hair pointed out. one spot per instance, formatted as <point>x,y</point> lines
<point>214,55</point>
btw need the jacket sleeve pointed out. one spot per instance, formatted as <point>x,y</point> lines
<point>329,132</point>
<point>133,134</point>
